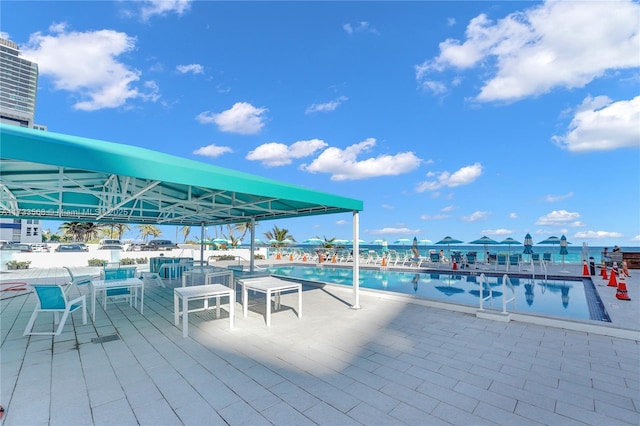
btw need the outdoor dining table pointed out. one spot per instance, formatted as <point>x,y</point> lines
<point>204,293</point>
<point>207,275</point>
<point>174,265</point>
<point>133,284</point>
<point>269,286</point>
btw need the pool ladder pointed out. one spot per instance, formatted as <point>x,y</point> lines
<point>506,284</point>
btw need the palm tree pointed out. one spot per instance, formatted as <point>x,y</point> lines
<point>146,230</point>
<point>243,228</point>
<point>328,243</point>
<point>121,228</point>
<point>185,232</point>
<point>71,231</point>
<point>278,235</point>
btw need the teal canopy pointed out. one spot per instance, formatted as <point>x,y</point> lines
<point>53,176</point>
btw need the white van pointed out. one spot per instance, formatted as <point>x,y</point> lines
<point>110,244</point>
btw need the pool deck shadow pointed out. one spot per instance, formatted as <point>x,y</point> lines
<point>392,361</point>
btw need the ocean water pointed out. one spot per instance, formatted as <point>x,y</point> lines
<point>574,251</point>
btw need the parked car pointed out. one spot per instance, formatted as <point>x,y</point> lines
<point>136,247</point>
<point>70,248</point>
<point>160,245</point>
<point>26,248</point>
<point>40,247</point>
<point>110,244</point>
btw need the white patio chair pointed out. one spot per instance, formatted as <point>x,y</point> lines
<point>52,298</point>
<point>76,280</point>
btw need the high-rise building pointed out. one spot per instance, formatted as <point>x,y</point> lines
<point>18,86</point>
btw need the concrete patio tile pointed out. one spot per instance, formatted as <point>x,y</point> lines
<point>457,416</point>
<point>500,416</point>
<point>410,397</point>
<point>411,415</point>
<point>284,414</point>
<point>323,413</point>
<point>242,413</point>
<point>117,413</point>
<point>390,362</point>
<point>158,412</point>
<point>294,396</point>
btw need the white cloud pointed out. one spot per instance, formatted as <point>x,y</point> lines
<point>274,154</point>
<point>343,164</point>
<point>558,218</point>
<point>150,8</point>
<point>359,27</point>
<point>636,238</point>
<point>326,107</point>
<point>601,125</point>
<point>342,222</point>
<point>388,207</point>
<point>476,216</point>
<point>192,68</point>
<point>394,231</point>
<point>212,151</point>
<point>597,235</point>
<point>434,217</point>
<point>86,65</point>
<point>513,215</point>
<point>554,198</point>
<point>501,231</point>
<point>537,50</point>
<point>464,176</point>
<point>242,118</point>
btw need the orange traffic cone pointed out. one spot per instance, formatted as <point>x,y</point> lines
<point>612,277</point>
<point>622,290</point>
<point>585,269</point>
<point>603,271</point>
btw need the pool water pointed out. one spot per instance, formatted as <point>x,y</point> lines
<point>571,298</point>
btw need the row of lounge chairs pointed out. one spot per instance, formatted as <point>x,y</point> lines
<point>434,260</point>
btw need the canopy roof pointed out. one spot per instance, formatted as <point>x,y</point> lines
<point>54,176</point>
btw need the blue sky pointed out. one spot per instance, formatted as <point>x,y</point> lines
<point>445,118</point>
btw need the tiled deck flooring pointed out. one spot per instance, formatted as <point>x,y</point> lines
<point>390,362</point>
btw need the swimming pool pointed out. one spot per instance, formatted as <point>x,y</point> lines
<point>570,298</point>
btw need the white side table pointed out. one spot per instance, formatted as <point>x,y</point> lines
<point>204,293</point>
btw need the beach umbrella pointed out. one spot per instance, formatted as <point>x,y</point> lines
<point>414,247</point>
<point>485,241</point>
<point>553,240</point>
<point>528,244</point>
<point>402,241</point>
<point>377,242</point>
<point>510,241</point>
<point>563,250</point>
<point>425,242</point>
<point>313,241</point>
<point>448,241</point>
<point>360,242</point>
<point>448,289</point>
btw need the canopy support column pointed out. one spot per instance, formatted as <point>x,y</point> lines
<point>253,245</point>
<point>201,244</point>
<point>356,261</point>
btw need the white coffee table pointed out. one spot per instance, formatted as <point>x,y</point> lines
<point>204,293</point>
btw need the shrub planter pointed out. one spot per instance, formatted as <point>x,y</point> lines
<point>15,264</point>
